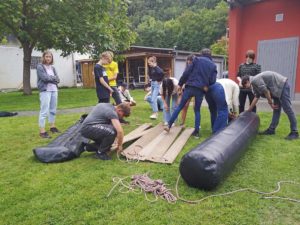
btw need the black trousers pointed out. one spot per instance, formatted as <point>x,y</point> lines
<point>103,134</point>
<point>242,99</point>
<point>116,96</point>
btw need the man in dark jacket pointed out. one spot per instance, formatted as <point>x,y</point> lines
<point>272,85</point>
<point>200,73</point>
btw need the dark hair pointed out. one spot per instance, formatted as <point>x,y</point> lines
<point>245,79</point>
<point>124,85</point>
<point>250,54</point>
<point>206,52</point>
<point>167,85</point>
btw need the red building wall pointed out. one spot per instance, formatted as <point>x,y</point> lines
<point>255,22</point>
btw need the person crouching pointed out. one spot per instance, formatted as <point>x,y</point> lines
<point>102,125</point>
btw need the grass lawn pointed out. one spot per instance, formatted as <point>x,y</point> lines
<point>74,192</point>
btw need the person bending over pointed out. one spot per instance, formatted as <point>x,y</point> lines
<point>102,125</point>
<point>276,89</point>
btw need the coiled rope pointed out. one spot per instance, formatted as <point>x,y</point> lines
<point>142,183</point>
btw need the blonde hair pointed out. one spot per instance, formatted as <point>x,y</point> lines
<point>46,53</point>
<point>108,55</point>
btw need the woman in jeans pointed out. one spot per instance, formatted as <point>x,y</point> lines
<point>169,94</point>
<point>47,81</point>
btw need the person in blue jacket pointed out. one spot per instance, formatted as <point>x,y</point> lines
<point>200,73</point>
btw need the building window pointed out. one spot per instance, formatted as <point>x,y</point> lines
<point>279,17</point>
<point>35,60</point>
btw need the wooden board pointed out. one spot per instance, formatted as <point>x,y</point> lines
<point>136,133</point>
<point>157,148</point>
<point>132,150</point>
<point>175,148</point>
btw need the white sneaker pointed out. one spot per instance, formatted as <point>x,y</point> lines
<point>153,116</point>
<point>166,124</point>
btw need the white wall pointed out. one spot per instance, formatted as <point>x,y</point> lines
<point>11,68</point>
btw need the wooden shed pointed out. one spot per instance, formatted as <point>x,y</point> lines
<point>133,70</point>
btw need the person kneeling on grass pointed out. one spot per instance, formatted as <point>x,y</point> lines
<point>102,125</point>
<point>125,95</point>
<point>272,85</point>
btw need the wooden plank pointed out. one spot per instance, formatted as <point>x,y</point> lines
<point>176,147</point>
<point>136,133</point>
<point>131,151</point>
<point>157,148</point>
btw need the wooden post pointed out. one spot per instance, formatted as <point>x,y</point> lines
<point>127,72</point>
<point>146,70</point>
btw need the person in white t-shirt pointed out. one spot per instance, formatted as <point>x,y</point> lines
<point>232,92</point>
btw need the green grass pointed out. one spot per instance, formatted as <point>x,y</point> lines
<point>67,98</point>
<point>74,192</point>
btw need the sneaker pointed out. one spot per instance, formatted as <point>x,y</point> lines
<point>153,116</point>
<point>54,130</point>
<point>123,121</point>
<point>267,132</point>
<point>45,135</point>
<point>195,134</point>
<point>293,135</point>
<point>166,124</point>
<point>102,156</point>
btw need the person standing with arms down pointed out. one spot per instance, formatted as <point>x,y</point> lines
<point>156,76</point>
<point>103,90</point>
<point>198,76</point>
<point>249,68</point>
<point>275,88</point>
<point>112,71</point>
<point>47,80</point>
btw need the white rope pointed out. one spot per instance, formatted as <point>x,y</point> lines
<point>243,190</point>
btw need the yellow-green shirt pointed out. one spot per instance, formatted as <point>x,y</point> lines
<point>111,70</point>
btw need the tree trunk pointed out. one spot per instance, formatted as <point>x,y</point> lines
<point>26,69</point>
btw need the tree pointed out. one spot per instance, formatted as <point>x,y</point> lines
<point>220,47</point>
<point>88,26</point>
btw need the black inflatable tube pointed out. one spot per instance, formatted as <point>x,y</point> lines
<point>67,146</point>
<point>210,162</point>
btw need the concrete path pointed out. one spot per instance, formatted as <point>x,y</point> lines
<point>262,106</point>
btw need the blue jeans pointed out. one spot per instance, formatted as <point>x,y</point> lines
<point>159,102</point>
<point>284,102</point>
<point>155,85</point>
<point>218,108</point>
<point>48,100</point>
<point>188,93</point>
<point>167,114</point>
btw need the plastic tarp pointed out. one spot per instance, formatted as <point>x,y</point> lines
<point>210,162</point>
<point>67,146</point>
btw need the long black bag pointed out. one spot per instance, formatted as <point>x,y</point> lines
<point>67,146</point>
<point>207,165</point>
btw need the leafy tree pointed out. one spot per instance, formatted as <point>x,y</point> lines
<point>220,47</point>
<point>192,30</point>
<point>88,26</point>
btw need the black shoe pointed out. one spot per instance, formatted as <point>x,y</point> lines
<point>45,135</point>
<point>293,135</point>
<point>102,156</point>
<point>54,130</point>
<point>267,132</point>
<point>195,134</point>
<point>123,121</point>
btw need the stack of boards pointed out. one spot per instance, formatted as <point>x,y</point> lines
<point>154,144</point>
